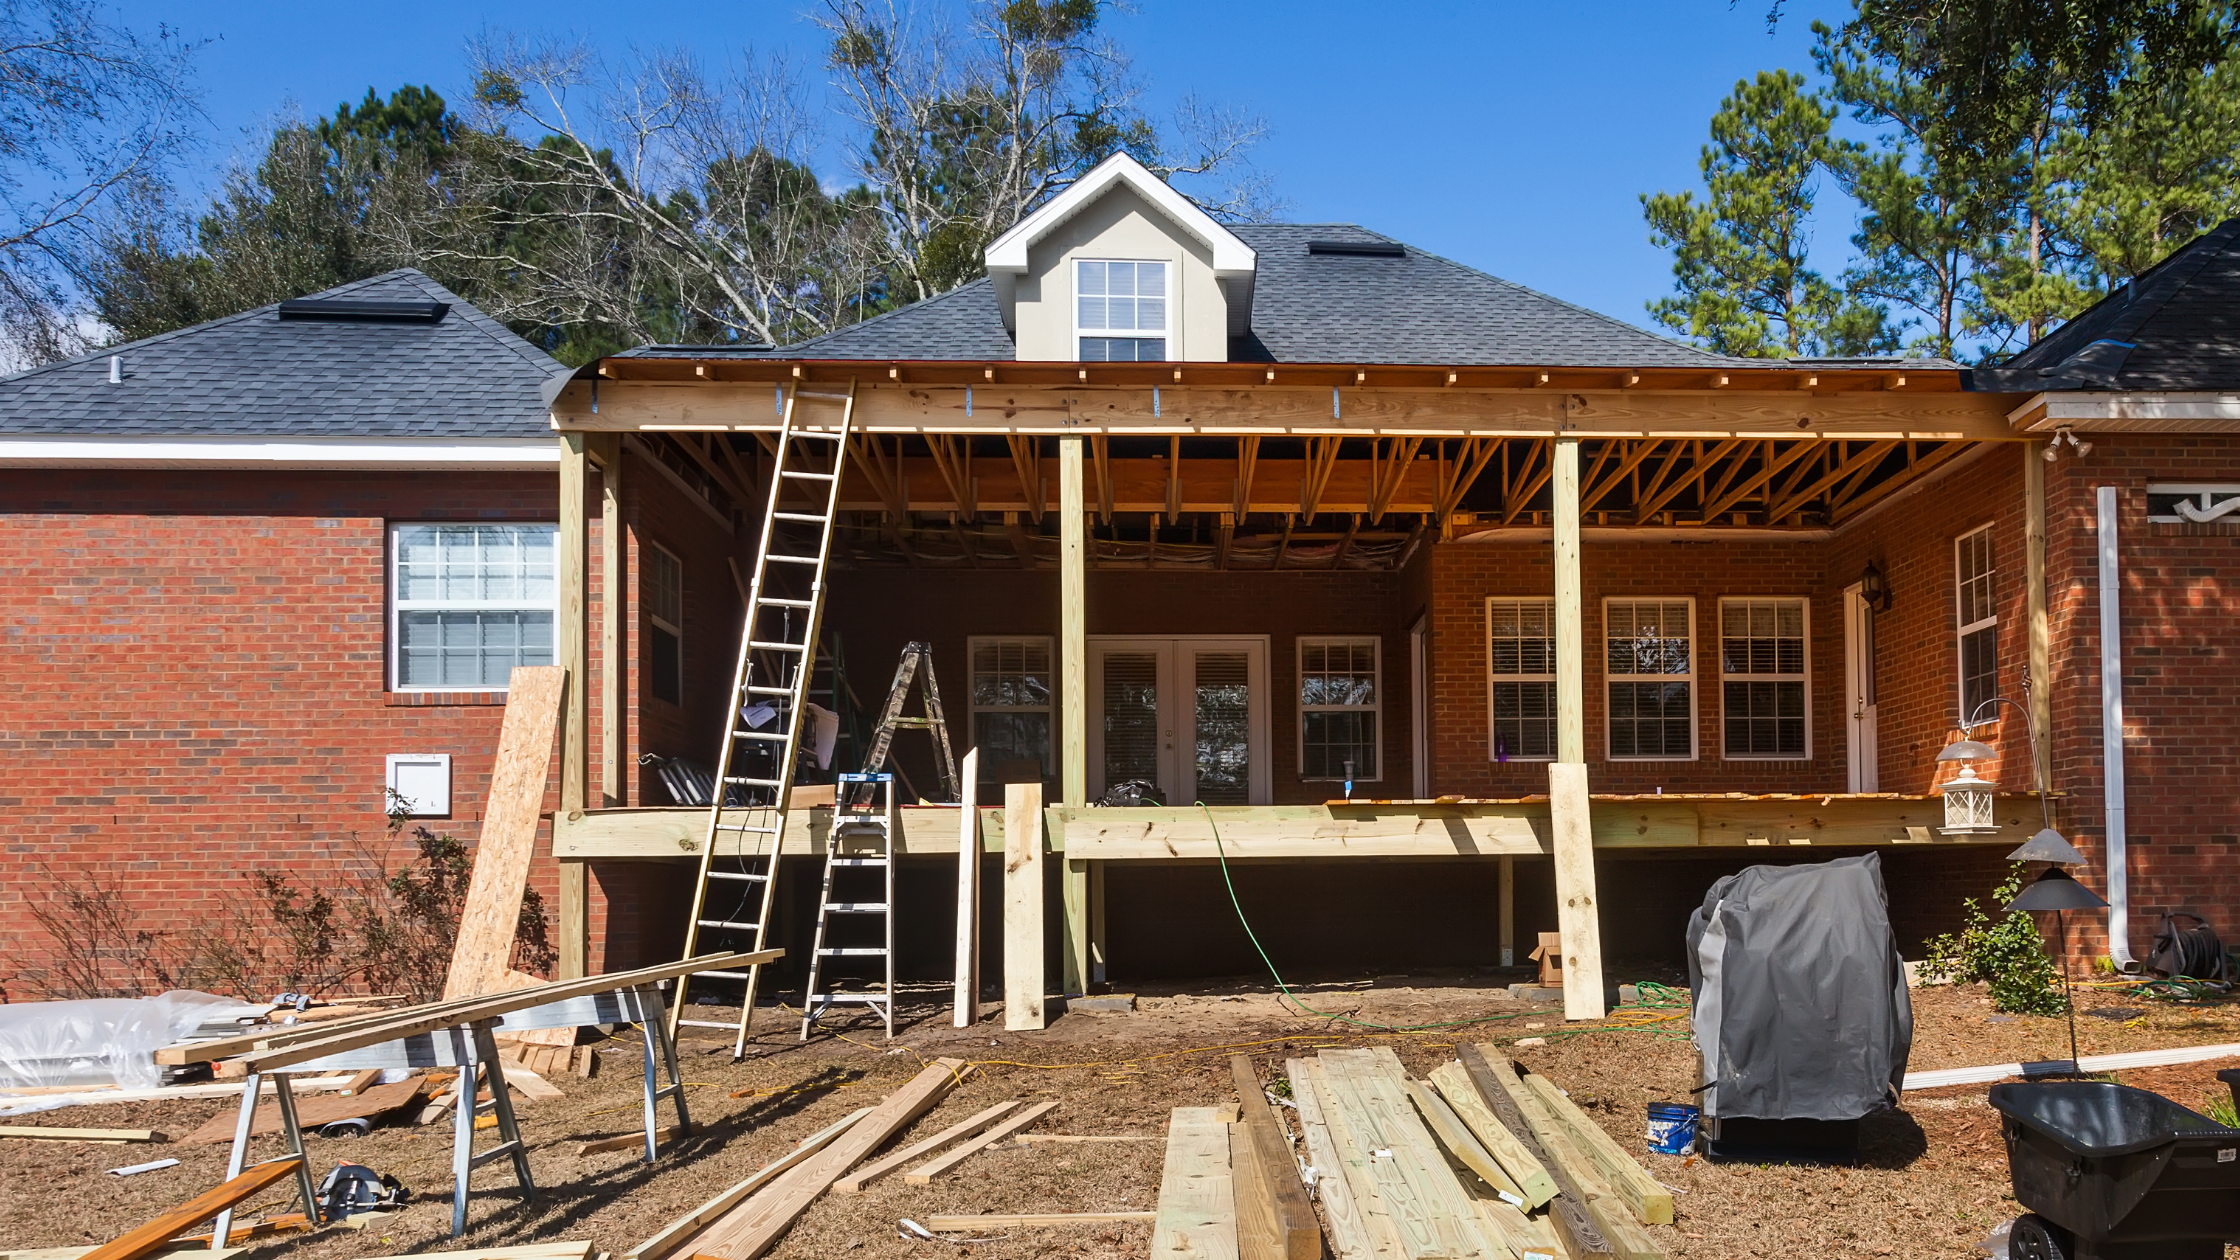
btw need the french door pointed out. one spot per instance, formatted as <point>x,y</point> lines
<point>1188,715</point>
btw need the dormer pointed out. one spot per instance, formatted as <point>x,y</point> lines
<point>1122,267</point>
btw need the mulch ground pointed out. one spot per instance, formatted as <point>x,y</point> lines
<point>1932,1182</point>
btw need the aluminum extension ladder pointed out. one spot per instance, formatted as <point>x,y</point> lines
<point>763,739</point>
<point>862,839</point>
<point>916,657</point>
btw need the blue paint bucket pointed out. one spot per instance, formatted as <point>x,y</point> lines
<point>1672,1128</point>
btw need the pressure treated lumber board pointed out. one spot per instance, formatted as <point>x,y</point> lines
<point>108,1136</point>
<point>628,1141</point>
<point>1383,1078</point>
<point>1526,1237</point>
<point>749,1229</point>
<point>1578,905</point>
<point>681,1230</point>
<point>1023,987</point>
<point>510,813</point>
<point>1408,1189</point>
<point>1197,1204</point>
<point>973,1224</point>
<point>1276,1169</point>
<point>153,1236</point>
<point>1381,1187</point>
<point>854,1182</point>
<point>1650,1202</point>
<point>924,1173</point>
<point>1627,1239</point>
<point>1533,1181</point>
<point>1257,1235</point>
<point>1352,1235</point>
<point>1460,1143</point>
<point>1568,1210</point>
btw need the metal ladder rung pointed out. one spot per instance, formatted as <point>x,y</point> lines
<point>799,392</point>
<point>776,602</point>
<point>841,861</point>
<point>828,999</point>
<point>793,559</point>
<point>752,782</point>
<point>858,907</point>
<point>853,951</point>
<point>777,645</point>
<point>808,476</point>
<point>757,689</point>
<point>726,923</point>
<point>738,875</point>
<point>804,517</point>
<point>766,737</point>
<point>479,1158</point>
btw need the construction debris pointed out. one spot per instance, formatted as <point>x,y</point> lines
<point>158,1233</point>
<point>974,1224</point>
<point>925,1173</point>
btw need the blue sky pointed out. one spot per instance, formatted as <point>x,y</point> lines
<point>1515,137</point>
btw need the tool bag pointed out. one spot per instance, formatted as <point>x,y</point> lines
<point>2194,953</point>
<point>354,1188</point>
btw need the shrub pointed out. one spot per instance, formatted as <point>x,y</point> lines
<point>2008,954</point>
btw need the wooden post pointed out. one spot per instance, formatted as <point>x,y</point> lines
<point>1073,687</point>
<point>571,650</point>
<point>613,600</point>
<point>968,896</point>
<point>1022,907</point>
<point>1508,912</point>
<point>2041,632</point>
<point>1577,906</point>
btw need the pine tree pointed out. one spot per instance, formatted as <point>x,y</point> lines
<point>1740,253</point>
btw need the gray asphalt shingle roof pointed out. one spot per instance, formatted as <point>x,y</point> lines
<point>2181,320</point>
<point>1321,308</point>
<point>255,374</point>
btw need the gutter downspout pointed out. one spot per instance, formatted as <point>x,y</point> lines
<point>2111,736</point>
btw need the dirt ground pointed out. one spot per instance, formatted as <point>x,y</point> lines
<point>1932,1183</point>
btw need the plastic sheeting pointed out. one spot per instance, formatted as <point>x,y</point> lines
<point>1801,1008</point>
<point>98,1042</point>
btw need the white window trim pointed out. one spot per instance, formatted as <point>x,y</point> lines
<point>395,639</point>
<point>1376,682</point>
<point>1693,678</point>
<point>975,708</point>
<point>2207,497</point>
<point>1167,329</point>
<point>1966,628</point>
<point>1492,678</point>
<point>1725,677</point>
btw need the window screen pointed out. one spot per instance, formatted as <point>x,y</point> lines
<point>471,603</point>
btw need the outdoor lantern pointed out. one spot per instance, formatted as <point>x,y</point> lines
<point>1874,589</point>
<point>1967,799</point>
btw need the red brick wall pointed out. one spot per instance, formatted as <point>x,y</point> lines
<point>194,681</point>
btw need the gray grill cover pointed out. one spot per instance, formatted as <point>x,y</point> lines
<point>1801,1008</point>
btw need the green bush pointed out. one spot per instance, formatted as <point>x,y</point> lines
<point>2007,953</point>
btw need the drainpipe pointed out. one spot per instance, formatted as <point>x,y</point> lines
<point>2111,736</point>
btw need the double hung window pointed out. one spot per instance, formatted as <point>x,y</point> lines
<point>1762,678</point>
<point>1339,704</point>
<point>1011,701</point>
<point>1649,651</point>
<point>664,596</point>
<point>1973,570</point>
<point>1521,677</point>
<point>468,603</point>
<point>1120,310</point>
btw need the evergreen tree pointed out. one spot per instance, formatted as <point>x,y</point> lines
<point>1740,253</point>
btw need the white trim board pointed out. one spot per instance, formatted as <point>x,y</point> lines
<point>2061,1067</point>
<point>495,454</point>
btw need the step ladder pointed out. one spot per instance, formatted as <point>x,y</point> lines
<point>736,890</point>
<point>916,657</point>
<point>862,841</point>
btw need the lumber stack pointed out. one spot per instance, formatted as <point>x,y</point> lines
<point>1475,1163</point>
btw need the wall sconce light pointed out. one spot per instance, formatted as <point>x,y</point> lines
<point>1967,799</point>
<point>1874,588</point>
<point>2063,433</point>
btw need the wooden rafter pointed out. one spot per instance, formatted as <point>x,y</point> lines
<point>1856,464</point>
<point>952,458</point>
<point>1026,457</point>
<point>1283,546</point>
<point>1598,490</point>
<point>1387,469</point>
<point>1540,456</point>
<point>889,484</point>
<point>1100,452</point>
<point>1771,465</point>
<point>1174,480</point>
<point>1248,460</point>
<point>1842,494</point>
<point>1345,548</point>
<point>692,445</point>
<point>1915,471</point>
<point>1456,477</point>
<point>1226,534</point>
<point>732,460</point>
<point>1021,544</point>
<point>1322,460</point>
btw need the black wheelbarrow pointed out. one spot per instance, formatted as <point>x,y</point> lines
<point>2108,1172</point>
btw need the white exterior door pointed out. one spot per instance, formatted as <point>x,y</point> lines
<point>1858,678</point>
<point>1190,715</point>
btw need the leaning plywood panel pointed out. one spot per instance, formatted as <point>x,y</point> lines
<point>1358,1229</point>
<point>1197,1205</point>
<point>484,946</point>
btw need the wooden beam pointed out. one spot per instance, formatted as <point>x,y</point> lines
<point>571,647</point>
<point>1100,446</point>
<point>1248,459</point>
<point>1322,460</point>
<point>1026,460</point>
<point>2040,677</point>
<point>614,599</point>
<point>1197,1204</point>
<point>1073,628</point>
<point>1023,987</point>
<point>151,1237</point>
<point>1570,644</point>
<point>680,1231</point>
<point>1531,475</point>
<point>1568,1210</point>
<point>1298,1234</point>
<point>924,1174</point>
<point>1031,1220</point>
<point>1573,833</point>
<point>967,989</point>
<point>1174,479</point>
<point>1945,453</point>
<point>854,1182</point>
<point>1600,487</point>
<point>1860,463</point>
<point>1471,459</point>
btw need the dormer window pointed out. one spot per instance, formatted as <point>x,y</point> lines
<point>1120,310</point>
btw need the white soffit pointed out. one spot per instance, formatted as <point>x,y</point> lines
<point>1232,258</point>
<point>494,454</point>
<point>2198,411</point>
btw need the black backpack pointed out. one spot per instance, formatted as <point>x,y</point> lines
<point>2194,953</point>
<point>354,1188</point>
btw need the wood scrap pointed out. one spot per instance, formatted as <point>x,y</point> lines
<point>112,1137</point>
<point>528,1084</point>
<point>680,1231</point>
<point>153,1236</point>
<point>362,1082</point>
<point>1197,1217</point>
<point>1275,1169</point>
<point>1452,1081</point>
<point>1446,1126</point>
<point>1031,1139</point>
<point>248,1231</point>
<point>924,1173</point>
<point>1575,1224</point>
<point>749,1229</point>
<point>628,1141</point>
<point>483,949</point>
<point>974,1224</point>
<point>313,1114</point>
<point>1350,1232</point>
<point>1528,1237</point>
<point>176,1249</point>
<point>1650,1202</point>
<point>854,1182</point>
